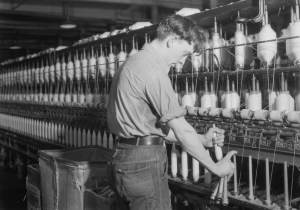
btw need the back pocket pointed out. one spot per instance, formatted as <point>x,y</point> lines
<point>138,183</point>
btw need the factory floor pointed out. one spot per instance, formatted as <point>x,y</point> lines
<point>12,190</point>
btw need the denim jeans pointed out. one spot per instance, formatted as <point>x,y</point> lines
<point>139,177</point>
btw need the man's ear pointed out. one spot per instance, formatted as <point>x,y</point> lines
<point>171,41</point>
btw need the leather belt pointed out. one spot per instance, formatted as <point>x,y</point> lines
<point>144,140</point>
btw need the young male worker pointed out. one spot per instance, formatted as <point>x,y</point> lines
<point>143,110</point>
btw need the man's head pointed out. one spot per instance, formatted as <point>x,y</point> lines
<point>181,35</point>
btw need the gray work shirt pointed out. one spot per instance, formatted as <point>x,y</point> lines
<point>141,97</point>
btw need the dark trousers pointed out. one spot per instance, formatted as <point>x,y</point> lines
<point>138,176</point>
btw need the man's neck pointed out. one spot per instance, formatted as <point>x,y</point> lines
<point>160,46</point>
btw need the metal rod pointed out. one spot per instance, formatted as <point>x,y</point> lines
<point>251,196</point>
<point>235,189</point>
<point>225,197</point>
<point>268,199</point>
<point>220,193</point>
<point>234,73</point>
<point>286,188</point>
<point>213,195</point>
<point>222,47</point>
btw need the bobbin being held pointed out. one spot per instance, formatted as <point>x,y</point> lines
<point>217,139</point>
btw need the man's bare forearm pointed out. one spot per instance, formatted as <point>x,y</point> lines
<point>192,142</point>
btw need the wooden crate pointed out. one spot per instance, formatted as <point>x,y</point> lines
<point>65,174</point>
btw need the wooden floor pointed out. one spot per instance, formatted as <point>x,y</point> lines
<point>12,190</point>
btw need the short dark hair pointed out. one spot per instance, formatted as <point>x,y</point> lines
<point>184,27</point>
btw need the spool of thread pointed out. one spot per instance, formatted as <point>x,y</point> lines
<point>88,137</point>
<point>215,112</point>
<point>81,98</point>
<point>187,100</point>
<point>84,64</point>
<point>102,62</point>
<point>254,101</point>
<point>247,114</point>
<point>192,111</point>
<point>203,111</point>
<point>61,97</point>
<point>111,58</point>
<point>282,102</point>
<point>261,115</point>
<point>228,113</point>
<point>79,138</point>
<point>55,97</point>
<point>272,100</point>
<point>50,97</point>
<point>45,97</point>
<point>41,95</point>
<point>206,100</point>
<point>104,143</point>
<point>94,138</point>
<point>184,164</point>
<point>68,97</point>
<point>122,55</point>
<point>36,97</point>
<point>67,132</point>
<point>84,138</point>
<point>75,137</point>
<point>195,169</point>
<point>293,117</point>
<point>266,50</point>
<point>292,103</point>
<point>276,116</point>
<point>99,138</point>
<point>97,98</point>
<point>75,98</point>
<point>77,66</point>
<point>92,65</point>
<point>239,50</point>
<point>195,98</point>
<point>89,98</point>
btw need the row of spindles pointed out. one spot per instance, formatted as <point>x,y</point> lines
<point>70,136</point>
<point>241,57</point>
<point>238,95</point>
<point>221,192</point>
<point>83,77</point>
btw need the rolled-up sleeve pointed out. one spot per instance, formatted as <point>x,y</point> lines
<point>161,97</point>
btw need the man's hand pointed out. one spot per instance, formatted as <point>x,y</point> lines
<point>225,166</point>
<point>210,139</point>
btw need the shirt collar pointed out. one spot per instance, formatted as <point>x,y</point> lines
<point>147,47</point>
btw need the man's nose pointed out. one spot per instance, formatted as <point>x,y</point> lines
<point>182,60</point>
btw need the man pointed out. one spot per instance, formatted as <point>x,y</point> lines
<point>143,110</point>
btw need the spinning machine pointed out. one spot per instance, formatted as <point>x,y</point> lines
<point>59,100</point>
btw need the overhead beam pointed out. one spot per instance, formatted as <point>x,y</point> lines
<point>56,16</point>
<point>174,4</point>
<point>20,27</point>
